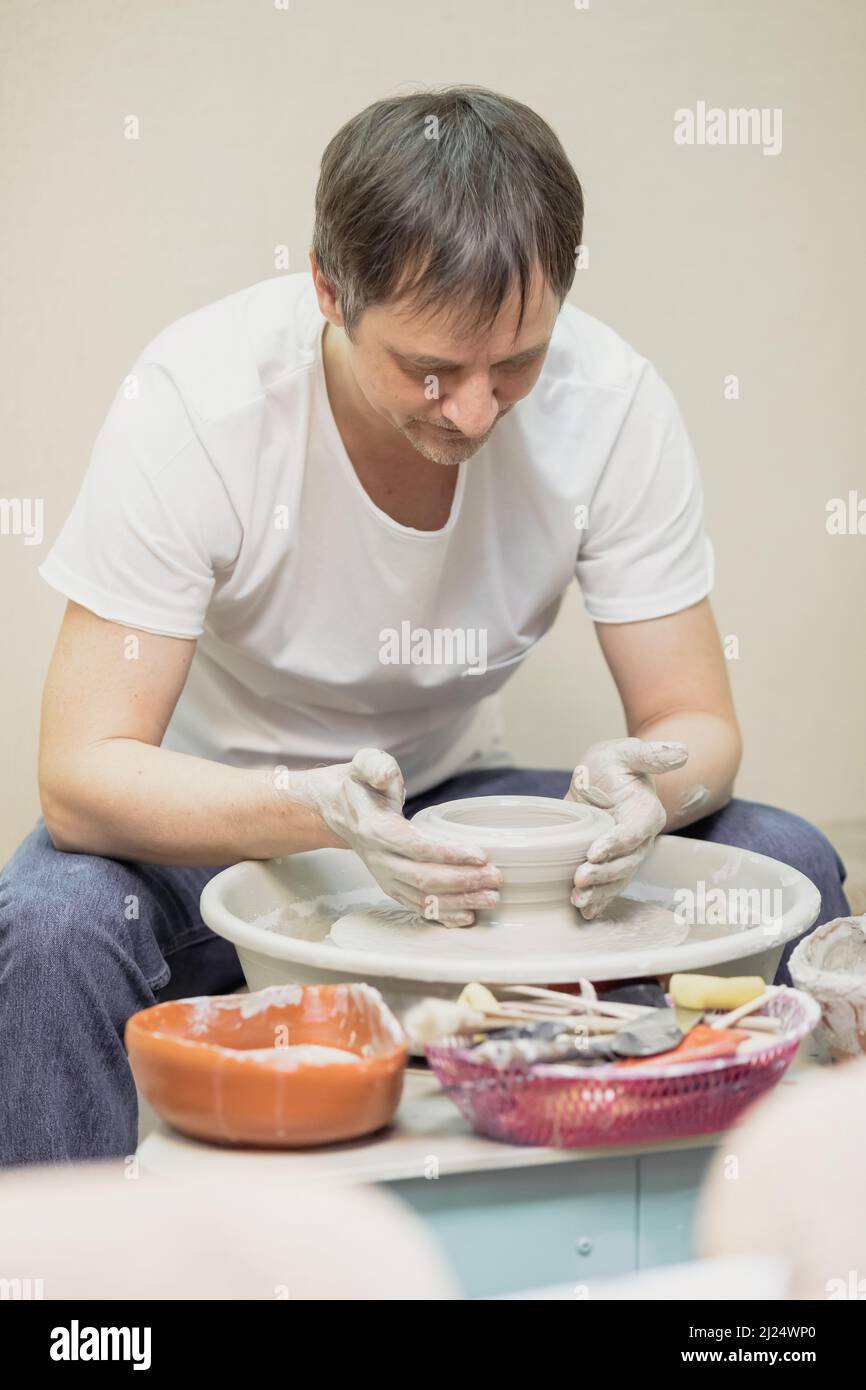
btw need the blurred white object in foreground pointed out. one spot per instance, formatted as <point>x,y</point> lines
<point>96,1231</point>
<point>739,1277</point>
<point>790,1182</point>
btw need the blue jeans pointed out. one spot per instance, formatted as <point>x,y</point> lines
<point>85,942</point>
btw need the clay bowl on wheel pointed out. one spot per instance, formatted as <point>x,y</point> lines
<point>538,843</point>
<point>226,1068</point>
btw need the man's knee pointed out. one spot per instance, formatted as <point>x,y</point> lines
<point>781,835</point>
<point>802,845</point>
<point>67,916</point>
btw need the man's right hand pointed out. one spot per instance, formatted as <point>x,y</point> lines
<point>362,803</point>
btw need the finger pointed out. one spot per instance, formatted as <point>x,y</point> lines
<point>437,905</point>
<point>588,875</point>
<point>593,796</point>
<point>401,839</point>
<point>596,902</point>
<point>429,907</point>
<point>653,756</point>
<point>443,878</point>
<point>592,902</point>
<point>628,835</point>
<point>447,912</point>
<point>381,772</point>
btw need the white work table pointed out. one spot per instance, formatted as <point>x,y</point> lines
<point>539,1215</point>
<point>427,1127</point>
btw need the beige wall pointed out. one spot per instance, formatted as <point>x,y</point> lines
<point>709,260</point>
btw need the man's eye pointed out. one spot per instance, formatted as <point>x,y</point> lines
<point>424,372</point>
<point>518,366</point>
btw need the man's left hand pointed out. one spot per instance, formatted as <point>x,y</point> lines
<point>617,775</point>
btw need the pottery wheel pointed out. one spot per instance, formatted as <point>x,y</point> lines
<point>627,926</point>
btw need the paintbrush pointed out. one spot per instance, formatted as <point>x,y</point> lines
<point>438,1018</point>
<point>579,1003</point>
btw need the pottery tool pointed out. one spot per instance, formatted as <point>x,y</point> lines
<point>649,996</point>
<point>531,1050</point>
<point>687,1019</point>
<point>657,1031</point>
<point>644,993</point>
<point>646,997</point>
<point>547,1024</point>
<point>549,1029</point>
<point>479,998</point>
<point>431,1019</point>
<point>762,1023</point>
<point>585,1003</point>
<point>701,1045</point>
<point>479,1011</point>
<point>690,1018</point>
<point>727,1020</point>
<point>654,1038</point>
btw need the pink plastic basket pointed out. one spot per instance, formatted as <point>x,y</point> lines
<point>567,1106</point>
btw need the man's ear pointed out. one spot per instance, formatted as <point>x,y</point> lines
<point>326,293</point>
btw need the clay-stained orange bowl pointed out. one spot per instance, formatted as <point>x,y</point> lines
<point>202,1064</point>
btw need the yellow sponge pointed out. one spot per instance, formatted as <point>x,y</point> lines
<point>715,991</point>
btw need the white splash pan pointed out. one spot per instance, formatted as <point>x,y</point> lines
<point>279,912</point>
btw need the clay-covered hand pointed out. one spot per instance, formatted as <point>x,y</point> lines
<point>362,803</point>
<point>616,775</point>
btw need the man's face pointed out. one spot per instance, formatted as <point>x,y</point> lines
<point>442,390</point>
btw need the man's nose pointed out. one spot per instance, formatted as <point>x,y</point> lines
<point>472,406</point>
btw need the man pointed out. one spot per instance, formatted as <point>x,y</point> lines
<point>325,520</point>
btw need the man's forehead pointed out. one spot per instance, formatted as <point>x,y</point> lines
<point>436,335</point>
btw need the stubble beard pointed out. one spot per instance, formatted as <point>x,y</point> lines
<point>450,452</point>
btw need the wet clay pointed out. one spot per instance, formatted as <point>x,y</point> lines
<point>626,926</point>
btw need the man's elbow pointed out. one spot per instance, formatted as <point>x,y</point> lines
<point>62,817</point>
<point>734,756</point>
<point>735,750</point>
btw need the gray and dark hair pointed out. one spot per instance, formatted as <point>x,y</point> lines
<point>447,199</point>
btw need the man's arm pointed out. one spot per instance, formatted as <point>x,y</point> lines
<point>108,788</point>
<point>673,682</point>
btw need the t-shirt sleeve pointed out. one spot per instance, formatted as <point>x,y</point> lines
<point>643,552</point>
<point>153,524</point>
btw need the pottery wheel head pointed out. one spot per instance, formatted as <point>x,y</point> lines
<point>627,927</point>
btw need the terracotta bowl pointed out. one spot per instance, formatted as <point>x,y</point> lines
<point>218,1068</point>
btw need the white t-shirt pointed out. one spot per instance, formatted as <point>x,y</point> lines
<point>220,504</point>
